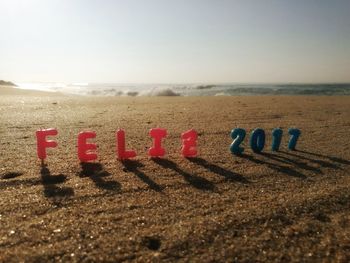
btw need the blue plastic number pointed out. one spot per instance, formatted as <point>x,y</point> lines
<point>238,136</point>
<point>295,133</point>
<point>257,140</point>
<point>276,139</point>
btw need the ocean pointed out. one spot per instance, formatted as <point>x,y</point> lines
<point>112,89</point>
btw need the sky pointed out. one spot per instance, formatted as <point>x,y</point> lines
<point>182,41</point>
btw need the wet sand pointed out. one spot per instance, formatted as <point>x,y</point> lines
<point>284,206</point>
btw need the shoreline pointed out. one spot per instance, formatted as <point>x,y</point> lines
<point>16,91</point>
<point>116,90</point>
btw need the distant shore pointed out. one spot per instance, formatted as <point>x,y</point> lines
<point>7,83</point>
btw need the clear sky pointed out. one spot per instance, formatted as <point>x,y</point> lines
<point>175,41</point>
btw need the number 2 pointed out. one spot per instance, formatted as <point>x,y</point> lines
<point>238,136</point>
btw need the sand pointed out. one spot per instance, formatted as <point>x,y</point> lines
<point>284,206</point>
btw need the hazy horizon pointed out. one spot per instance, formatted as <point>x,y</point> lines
<point>183,83</point>
<point>182,42</point>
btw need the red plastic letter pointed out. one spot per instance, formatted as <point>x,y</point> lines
<point>42,143</point>
<point>156,150</point>
<point>189,143</point>
<point>84,148</point>
<point>122,153</point>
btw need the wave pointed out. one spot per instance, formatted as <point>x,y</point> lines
<point>162,92</point>
<point>132,90</point>
<point>205,86</point>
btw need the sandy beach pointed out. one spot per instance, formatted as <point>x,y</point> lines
<point>274,206</point>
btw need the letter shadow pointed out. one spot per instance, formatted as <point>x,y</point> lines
<point>283,159</point>
<point>337,161</point>
<point>96,172</point>
<point>17,182</point>
<point>332,158</point>
<point>133,166</point>
<point>194,180</point>
<point>319,162</point>
<point>11,175</point>
<point>229,175</point>
<point>49,182</point>
<point>279,168</point>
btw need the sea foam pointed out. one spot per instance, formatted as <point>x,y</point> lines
<point>132,90</point>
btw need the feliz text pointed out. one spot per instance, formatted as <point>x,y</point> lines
<point>87,150</point>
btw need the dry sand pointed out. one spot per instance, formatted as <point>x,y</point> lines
<point>285,206</point>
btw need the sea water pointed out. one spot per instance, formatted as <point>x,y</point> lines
<point>113,89</point>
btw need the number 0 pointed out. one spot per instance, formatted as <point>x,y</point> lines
<point>257,140</point>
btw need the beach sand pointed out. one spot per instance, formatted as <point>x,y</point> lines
<point>284,206</point>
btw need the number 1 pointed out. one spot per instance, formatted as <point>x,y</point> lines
<point>295,133</point>
<point>276,139</point>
